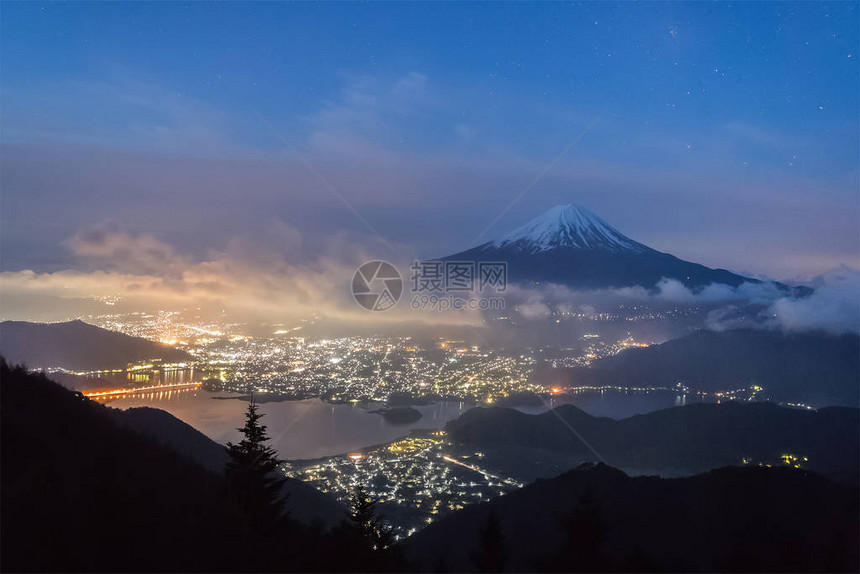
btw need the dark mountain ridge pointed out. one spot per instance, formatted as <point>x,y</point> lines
<point>78,346</point>
<point>675,441</point>
<point>817,369</point>
<point>596,518</point>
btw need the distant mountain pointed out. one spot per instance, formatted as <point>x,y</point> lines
<point>569,245</point>
<point>812,368</point>
<point>670,442</point>
<point>597,519</point>
<point>81,383</point>
<point>77,346</point>
<point>568,226</point>
<point>304,502</point>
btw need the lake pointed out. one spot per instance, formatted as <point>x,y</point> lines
<point>309,428</point>
<point>312,428</point>
<point>617,404</point>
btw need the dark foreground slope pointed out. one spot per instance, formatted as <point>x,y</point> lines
<point>599,519</point>
<point>75,345</point>
<point>302,501</point>
<point>81,493</point>
<point>812,368</point>
<point>675,441</point>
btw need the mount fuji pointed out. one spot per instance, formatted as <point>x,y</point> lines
<point>569,245</point>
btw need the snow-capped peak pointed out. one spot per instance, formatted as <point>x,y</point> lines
<point>568,226</point>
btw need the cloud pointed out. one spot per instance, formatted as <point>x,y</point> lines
<point>268,277</point>
<point>673,291</point>
<point>371,115</point>
<point>728,318</point>
<point>833,307</point>
<point>260,280</point>
<point>533,308</point>
<point>113,249</point>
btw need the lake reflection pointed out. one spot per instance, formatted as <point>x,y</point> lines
<point>309,428</point>
<point>616,404</point>
<point>312,428</point>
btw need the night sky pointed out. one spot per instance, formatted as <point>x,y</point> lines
<point>148,139</point>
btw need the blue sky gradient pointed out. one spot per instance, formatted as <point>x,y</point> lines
<point>718,126</point>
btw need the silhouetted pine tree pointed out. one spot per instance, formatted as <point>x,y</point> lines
<point>366,522</point>
<point>489,555</point>
<point>253,474</point>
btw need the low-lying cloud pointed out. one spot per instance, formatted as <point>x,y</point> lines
<point>268,278</point>
<point>262,280</point>
<point>833,307</point>
<point>107,245</point>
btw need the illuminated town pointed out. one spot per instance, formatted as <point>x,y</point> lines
<point>415,480</point>
<point>284,365</point>
<point>361,368</point>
